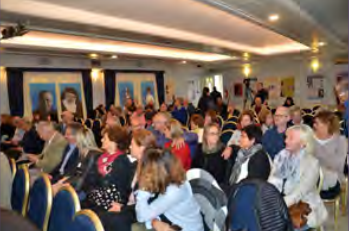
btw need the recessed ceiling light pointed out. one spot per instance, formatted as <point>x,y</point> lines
<point>321,44</point>
<point>114,56</point>
<point>273,17</point>
<point>183,62</point>
<point>94,56</point>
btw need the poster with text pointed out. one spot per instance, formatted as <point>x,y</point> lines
<point>287,87</point>
<point>43,99</point>
<point>147,92</point>
<point>315,87</point>
<point>71,98</point>
<point>126,91</point>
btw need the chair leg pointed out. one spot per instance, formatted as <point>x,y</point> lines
<point>345,198</point>
<point>336,213</point>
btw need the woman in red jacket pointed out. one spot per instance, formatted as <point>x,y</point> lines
<point>174,132</point>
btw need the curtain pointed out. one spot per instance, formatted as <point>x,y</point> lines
<point>110,83</point>
<point>15,91</point>
<point>4,103</point>
<point>160,83</point>
<point>87,85</point>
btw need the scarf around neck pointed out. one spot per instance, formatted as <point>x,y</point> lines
<point>242,156</point>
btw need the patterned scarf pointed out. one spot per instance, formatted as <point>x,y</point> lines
<point>242,157</point>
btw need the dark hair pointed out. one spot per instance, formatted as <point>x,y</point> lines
<point>248,113</point>
<point>291,102</point>
<point>118,135</point>
<point>79,111</point>
<point>253,132</point>
<point>205,91</point>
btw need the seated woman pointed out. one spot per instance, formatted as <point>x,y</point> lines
<point>209,154</point>
<point>162,175</point>
<point>295,173</point>
<point>210,117</point>
<point>245,119</point>
<point>197,126</point>
<point>331,150</point>
<point>252,161</point>
<point>119,215</point>
<point>267,120</point>
<point>174,132</point>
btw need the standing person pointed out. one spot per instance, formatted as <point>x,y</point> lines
<point>208,154</point>
<point>331,150</point>
<point>189,107</point>
<point>215,94</point>
<point>160,173</point>
<point>274,139</point>
<point>206,101</point>
<point>174,132</point>
<point>262,93</point>
<point>295,173</point>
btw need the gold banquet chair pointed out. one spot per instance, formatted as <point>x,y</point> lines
<point>20,190</point>
<point>86,220</point>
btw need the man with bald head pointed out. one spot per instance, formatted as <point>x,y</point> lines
<point>52,153</point>
<point>274,139</point>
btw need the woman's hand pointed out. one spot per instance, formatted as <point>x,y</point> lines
<point>227,153</point>
<point>161,226</point>
<point>116,207</point>
<point>178,143</point>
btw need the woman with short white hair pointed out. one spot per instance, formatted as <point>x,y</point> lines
<point>296,172</point>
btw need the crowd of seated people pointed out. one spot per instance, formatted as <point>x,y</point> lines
<point>131,171</point>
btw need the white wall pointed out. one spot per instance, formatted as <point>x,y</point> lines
<point>287,67</point>
<point>175,72</point>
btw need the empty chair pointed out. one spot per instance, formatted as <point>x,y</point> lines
<point>210,197</point>
<point>226,135</point>
<point>65,205</point>
<point>86,220</point>
<point>40,202</point>
<point>20,190</point>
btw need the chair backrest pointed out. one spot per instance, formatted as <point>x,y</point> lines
<point>65,205</point>
<point>13,167</point>
<point>230,125</point>
<point>226,135</point>
<point>86,220</point>
<point>20,190</point>
<point>210,197</point>
<point>40,202</point>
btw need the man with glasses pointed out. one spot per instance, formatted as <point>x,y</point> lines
<point>274,139</point>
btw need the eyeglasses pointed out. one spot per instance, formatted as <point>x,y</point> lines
<point>279,116</point>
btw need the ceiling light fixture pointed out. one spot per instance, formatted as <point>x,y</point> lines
<point>94,56</point>
<point>114,57</point>
<point>321,44</point>
<point>183,62</point>
<point>273,17</point>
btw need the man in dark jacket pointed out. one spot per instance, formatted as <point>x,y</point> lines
<point>215,94</point>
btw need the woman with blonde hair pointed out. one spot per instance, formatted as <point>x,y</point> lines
<point>161,174</point>
<point>175,133</point>
<point>296,172</point>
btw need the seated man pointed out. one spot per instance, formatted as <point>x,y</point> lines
<point>54,147</point>
<point>17,137</point>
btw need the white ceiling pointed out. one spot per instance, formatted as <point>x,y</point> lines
<point>186,20</point>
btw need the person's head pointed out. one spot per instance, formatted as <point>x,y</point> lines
<point>212,134</point>
<point>111,120</point>
<point>115,138</point>
<point>281,117</point>
<point>210,117</point>
<point>46,130</point>
<point>214,88</point>
<point>289,102</point>
<point>259,86</point>
<point>179,102</point>
<point>185,102</point>
<point>71,132</point>
<point>341,90</point>
<point>26,124</point>
<point>196,121</point>
<point>85,140</point>
<point>258,101</point>
<point>160,120</point>
<point>163,107</point>
<point>67,117</point>
<point>296,115</point>
<point>326,124</point>
<point>137,121</point>
<point>266,117</point>
<point>129,102</point>
<point>205,91</point>
<point>246,118</point>
<point>45,101</point>
<point>173,130</point>
<point>141,140</point>
<point>250,136</point>
<point>300,137</point>
<point>148,90</point>
<point>36,117</point>
<point>159,169</point>
<point>70,100</point>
